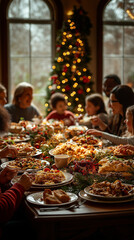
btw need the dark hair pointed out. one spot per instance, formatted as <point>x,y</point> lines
<point>55,98</point>
<point>131,111</point>
<point>97,100</point>
<point>114,77</point>
<point>125,95</point>
<point>4,120</point>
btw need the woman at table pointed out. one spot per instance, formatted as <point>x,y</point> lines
<point>3,95</point>
<point>128,138</point>
<point>121,97</point>
<point>11,198</point>
<point>21,107</point>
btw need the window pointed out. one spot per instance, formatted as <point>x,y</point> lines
<point>31,41</point>
<point>118,40</point>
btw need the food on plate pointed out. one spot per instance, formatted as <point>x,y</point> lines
<point>107,189</point>
<point>55,197</point>
<point>49,176</point>
<point>27,163</point>
<point>73,150</point>
<point>86,139</point>
<point>15,138</point>
<point>25,149</point>
<point>123,150</point>
<point>75,131</point>
<point>126,167</point>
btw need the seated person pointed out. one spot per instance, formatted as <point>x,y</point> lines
<point>128,138</point>
<point>4,124</point>
<point>3,95</point>
<point>11,198</point>
<point>21,106</point>
<point>59,106</point>
<point>119,103</point>
<point>110,81</point>
<point>94,107</point>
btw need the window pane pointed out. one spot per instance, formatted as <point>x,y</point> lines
<point>41,40</point>
<point>113,43</point>
<point>41,68</point>
<point>114,11</point>
<point>19,71</point>
<point>129,40</point>
<point>112,66</point>
<point>29,9</point>
<point>19,9</point>
<point>19,32</point>
<point>129,71</point>
<point>39,10</point>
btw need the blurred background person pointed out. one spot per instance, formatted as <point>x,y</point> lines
<point>21,107</point>
<point>3,95</point>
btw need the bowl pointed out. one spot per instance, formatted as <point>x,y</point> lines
<point>61,160</point>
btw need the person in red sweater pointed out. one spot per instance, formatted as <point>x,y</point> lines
<point>59,106</point>
<point>11,198</point>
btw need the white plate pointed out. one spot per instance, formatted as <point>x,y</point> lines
<point>38,153</point>
<point>78,128</point>
<point>68,179</point>
<point>106,198</point>
<point>35,198</point>
<point>84,196</point>
<point>51,152</point>
<point>5,164</point>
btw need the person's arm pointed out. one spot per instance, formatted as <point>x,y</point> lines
<point>9,201</point>
<point>118,140</point>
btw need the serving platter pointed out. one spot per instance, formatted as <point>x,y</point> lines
<point>84,196</point>
<point>68,179</point>
<point>108,198</point>
<point>20,170</point>
<point>37,198</point>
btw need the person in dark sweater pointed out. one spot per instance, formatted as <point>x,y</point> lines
<point>21,106</point>
<point>12,197</point>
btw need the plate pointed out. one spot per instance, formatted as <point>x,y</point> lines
<point>5,164</point>
<point>68,176</point>
<point>78,128</point>
<point>51,152</point>
<point>105,198</point>
<point>35,198</point>
<point>38,153</point>
<point>84,196</point>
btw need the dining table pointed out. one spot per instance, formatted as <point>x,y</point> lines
<point>80,221</point>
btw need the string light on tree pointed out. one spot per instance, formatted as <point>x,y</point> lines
<point>70,73</point>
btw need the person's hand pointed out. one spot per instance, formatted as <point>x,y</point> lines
<point>25,181</point>
<point>96,121</point>
<point>7,174</point>
<point>8,151</point>
<point>94,132</point>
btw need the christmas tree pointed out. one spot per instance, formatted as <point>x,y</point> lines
<point>70,74</point>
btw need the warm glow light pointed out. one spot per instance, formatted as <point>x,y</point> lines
<point>69,104</point>
<point>67,65</point>
<point>130,14</point>
<point>53,67</point>
<point>63,43</point>
<point>66,97</point>
<point>79,73</point>
<point>46,104</point>
<point>76,99</point>
<point>74,79</point>
<point>88,90</point>
<point>63,89</point>
<point>63,73</point>
<point>84,69</point>
<point>58,87</point>
<point>70,46</point>
<point>50,87</point>
<point>63,81</point>
<point>69,13</point>
<point>64,33</point>
<point>78,60</point>
<point>79,105</point>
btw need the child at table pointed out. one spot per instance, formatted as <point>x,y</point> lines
<point>59,106</point>
<point>128,138</point>
<point>94,107</point>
